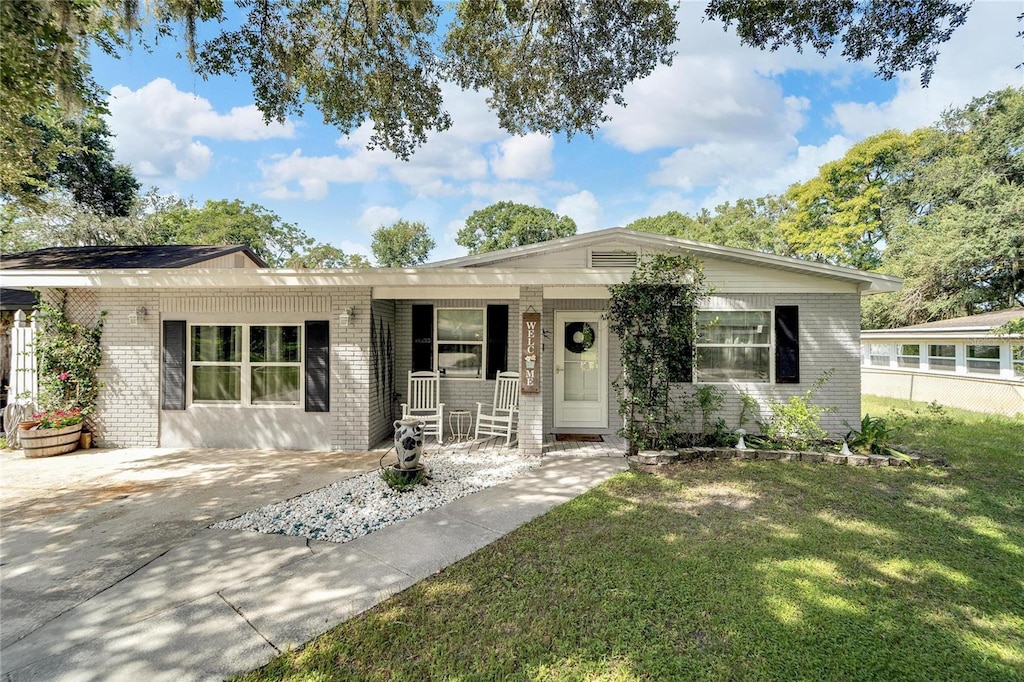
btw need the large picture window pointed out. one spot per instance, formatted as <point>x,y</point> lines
<point>246,364</point>
<point>460,342</point>
<point>733,346</point>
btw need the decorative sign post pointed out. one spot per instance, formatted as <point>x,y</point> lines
<point>529,373</point>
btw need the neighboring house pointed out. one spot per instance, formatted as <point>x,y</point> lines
<point>318,359</point>
<point>959,362</point>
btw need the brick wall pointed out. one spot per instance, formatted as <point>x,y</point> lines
<point>128,410</point>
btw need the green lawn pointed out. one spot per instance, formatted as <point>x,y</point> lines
<point>732,570</point>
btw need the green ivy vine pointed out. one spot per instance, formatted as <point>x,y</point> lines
<point>68,356</point>
<point>654,316</point>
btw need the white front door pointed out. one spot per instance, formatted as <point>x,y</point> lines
<point>581,370</point>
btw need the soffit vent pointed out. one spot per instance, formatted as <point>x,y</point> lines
<point>613,259</point>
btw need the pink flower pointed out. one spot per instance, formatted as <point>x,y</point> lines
<point>63,376</point>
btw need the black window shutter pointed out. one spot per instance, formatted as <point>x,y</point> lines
<point>680,366</point>
<point>318,366</point>
<point>497,339</point>
<point>787,344</point>
<point>422,337</point>
<point>174,365</point>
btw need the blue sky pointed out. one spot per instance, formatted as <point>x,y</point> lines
<point>724,122</point>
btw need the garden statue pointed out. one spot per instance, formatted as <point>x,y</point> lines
<point>408,442</point>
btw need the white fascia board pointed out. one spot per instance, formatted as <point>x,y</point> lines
<point>224,278</point>
<point>381,277</point>
<point>926,335</point>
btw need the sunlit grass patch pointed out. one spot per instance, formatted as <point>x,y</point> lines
<point>731,571</point>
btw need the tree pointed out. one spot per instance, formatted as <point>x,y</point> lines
<point>550,65</point>
<point>227,223</point>
<point>841,216</point>
<point>326,256</point>
<point>747,224</point>
<point>88,172</point>
<point>957,237</point>
<point>402,244</point>
<point>901,36</point>
<point>507,224</point>
<point>62,221</point>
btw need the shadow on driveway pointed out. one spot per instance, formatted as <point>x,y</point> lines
<point>74,525</point>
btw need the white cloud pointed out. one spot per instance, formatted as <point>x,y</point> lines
<point>376,216</point>
<point>312,174</point>
<point>156,127</point>
<point>527,157</point>
<point>584,208</point>
<point>797,167</point>
<point>980,57</point>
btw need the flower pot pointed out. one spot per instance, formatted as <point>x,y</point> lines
<point>27,424</point>
<point>50,442</point>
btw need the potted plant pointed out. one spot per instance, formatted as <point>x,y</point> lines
<point>57,433</point>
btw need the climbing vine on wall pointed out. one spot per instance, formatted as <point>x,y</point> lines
<point>654,316</point>
<point>68,356</point>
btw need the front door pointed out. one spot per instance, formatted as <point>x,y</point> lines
<point>581,370</point>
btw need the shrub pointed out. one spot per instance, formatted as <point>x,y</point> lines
<point>873,437</point>
<point>796,423</point>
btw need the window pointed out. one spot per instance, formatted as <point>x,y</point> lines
<point>942,357</point>
<point>246,364</point>
<point>983,359</point>
<point>908,355</point>
<point>881,354</point>
<point>1017,361</point>
<point>460,342</point>
<point>733,346</point>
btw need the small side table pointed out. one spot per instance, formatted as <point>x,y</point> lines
<point>460,424</point>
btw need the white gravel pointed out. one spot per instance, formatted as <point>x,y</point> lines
<point>360,505</point>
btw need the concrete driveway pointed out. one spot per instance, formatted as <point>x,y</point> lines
<point>75,525</point>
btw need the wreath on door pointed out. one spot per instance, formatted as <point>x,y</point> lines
<point>579,337</point>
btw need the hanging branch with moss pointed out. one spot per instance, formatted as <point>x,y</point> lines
<point>68,356</point>
<point>654,316</point>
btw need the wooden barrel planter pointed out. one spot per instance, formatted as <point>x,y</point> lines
<point>50,442</point>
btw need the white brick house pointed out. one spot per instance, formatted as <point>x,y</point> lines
<point>319,358</point>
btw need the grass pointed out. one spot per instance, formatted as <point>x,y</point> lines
<point>731,571</point>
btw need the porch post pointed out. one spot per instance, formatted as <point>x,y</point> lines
<point>531,405</point>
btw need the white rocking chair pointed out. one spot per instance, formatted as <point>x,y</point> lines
<point>504,413</point>
<point>424,403</point>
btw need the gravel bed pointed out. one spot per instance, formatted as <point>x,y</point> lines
<point>360,505</point>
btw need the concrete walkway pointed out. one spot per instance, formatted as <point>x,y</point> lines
<point>222,602</point>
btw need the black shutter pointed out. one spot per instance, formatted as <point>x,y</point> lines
<point>787,344</point>
<point>175,345</point>
<point>422,338</point>
<point>318,366</point>
<point>497,339</point>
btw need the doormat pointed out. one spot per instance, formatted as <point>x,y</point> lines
<point>581,437</point>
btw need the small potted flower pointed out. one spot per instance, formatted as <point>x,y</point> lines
<point>530,360</point>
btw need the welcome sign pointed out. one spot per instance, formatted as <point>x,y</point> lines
<point>529,371</point>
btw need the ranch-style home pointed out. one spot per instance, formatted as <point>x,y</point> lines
<point>221,351</point>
